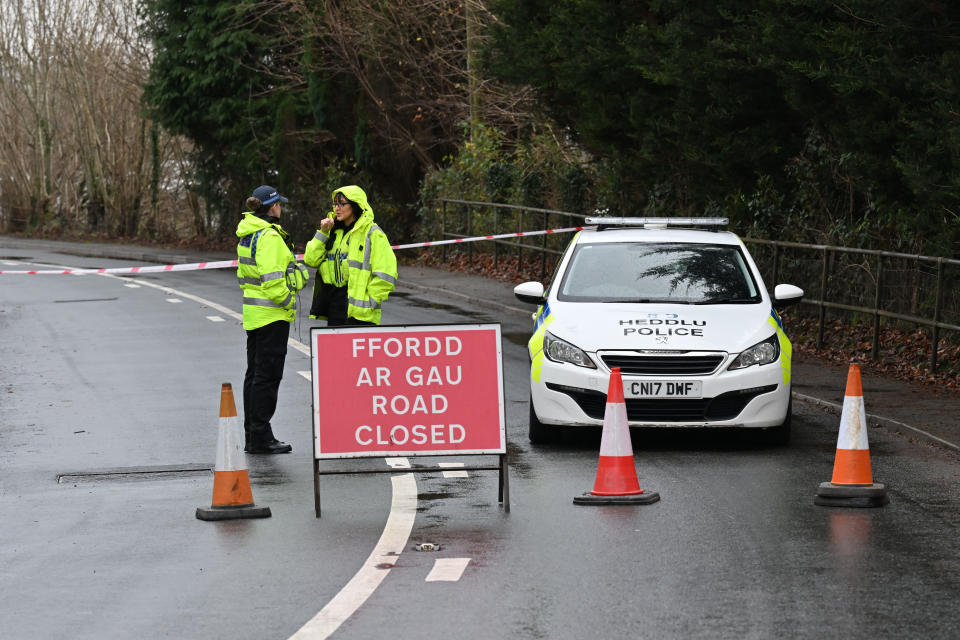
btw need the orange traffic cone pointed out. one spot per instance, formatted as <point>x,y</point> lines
<point>616,481</point>
<point>852,484</point>
<point>232,497</point>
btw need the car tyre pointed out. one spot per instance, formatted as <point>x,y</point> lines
<point>780,435</point>
<point>539,432</point>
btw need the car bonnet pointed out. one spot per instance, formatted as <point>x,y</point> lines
<point>606,326</point>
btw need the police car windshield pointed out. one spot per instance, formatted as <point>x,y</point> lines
<point>674,273</point>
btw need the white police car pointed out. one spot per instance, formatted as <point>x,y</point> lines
<point>679,306</point>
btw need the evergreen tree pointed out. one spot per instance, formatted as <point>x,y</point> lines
<point>219,76</point>
<point>845,115</point>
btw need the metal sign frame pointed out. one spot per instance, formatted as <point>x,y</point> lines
<point>503,492</point>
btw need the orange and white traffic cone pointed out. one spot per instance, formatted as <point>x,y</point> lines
<point>852,484</point>
<point>232,497</point>
<point>616,481</point>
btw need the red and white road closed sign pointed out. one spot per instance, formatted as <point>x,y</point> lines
<point>415,390</point>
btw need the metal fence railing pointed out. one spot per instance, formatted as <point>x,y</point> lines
<point>863,283</point>
<point>470,219</point>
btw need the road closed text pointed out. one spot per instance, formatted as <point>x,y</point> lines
<point>400,434</point>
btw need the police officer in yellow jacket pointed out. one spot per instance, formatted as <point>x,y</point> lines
<point>270,278</point>
<point>356,267</point>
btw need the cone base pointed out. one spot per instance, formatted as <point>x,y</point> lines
<point>647,497</point>
<point>232,513</point>
<point>844,495</point>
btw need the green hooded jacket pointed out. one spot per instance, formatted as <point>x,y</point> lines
<point>360,258</point>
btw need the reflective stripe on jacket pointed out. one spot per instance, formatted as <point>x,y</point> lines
<point>268,273</point>
<point>361,258</point>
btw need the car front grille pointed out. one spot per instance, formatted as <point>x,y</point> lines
<point>661,365</point>
<point>726,406</point>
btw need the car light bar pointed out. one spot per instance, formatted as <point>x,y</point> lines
<point>657,223</point>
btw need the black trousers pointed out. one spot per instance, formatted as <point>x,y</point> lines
<point>266,353</point>
<point>331,302</point>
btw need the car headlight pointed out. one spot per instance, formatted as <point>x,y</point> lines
<point>561,351</point>
<point>761,353</point>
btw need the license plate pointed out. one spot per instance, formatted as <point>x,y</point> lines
<point>662,388</point>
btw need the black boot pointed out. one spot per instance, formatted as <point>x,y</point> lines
<point>271,447</point>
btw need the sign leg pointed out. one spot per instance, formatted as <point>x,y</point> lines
<point>504,483</point>
<point>316,487</point>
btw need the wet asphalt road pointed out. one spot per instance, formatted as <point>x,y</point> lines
<point>97,376</point>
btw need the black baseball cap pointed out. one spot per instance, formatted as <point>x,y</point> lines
<point>268,195</point>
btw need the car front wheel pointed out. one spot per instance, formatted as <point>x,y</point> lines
<point>780,435</point>
<point>539,432</point>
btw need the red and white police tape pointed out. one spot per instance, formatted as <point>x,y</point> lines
<point>226,264</point>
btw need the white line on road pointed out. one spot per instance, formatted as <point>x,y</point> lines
<point>132,286</point>
<point>447,569</point>
<point>888,422</point>
<point>403,511</point>
<point>215,319</point>
<point>306,374</point>
<point>453,474</point>
<point>174,300</point>
<point>375,569</point>
<point>302,348</point>
<point>393,540</point>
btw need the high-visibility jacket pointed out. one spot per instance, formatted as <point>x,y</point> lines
<point>268,273</point>
<point>360,258</point>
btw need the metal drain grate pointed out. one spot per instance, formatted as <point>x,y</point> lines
<point>135,474</point>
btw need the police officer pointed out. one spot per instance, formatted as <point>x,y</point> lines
<point>270,278</point>
<point>356,267</point>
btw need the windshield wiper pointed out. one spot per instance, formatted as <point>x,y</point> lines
<point>729,301</point>
<point>648,301</point>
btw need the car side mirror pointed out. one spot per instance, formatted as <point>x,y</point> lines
<point>785,295</point>
<point>530,292</point>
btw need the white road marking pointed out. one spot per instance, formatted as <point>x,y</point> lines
<point>453,474</point>
<point>174,300</point>
<point>398,463</point>
<point>447,569</point>
<point>887,422</point>
<point>132,286</point>
<point>396,532</point>
<point>215,319</point>
<point>299,346</point>
<point>392,542</point>
<point>306,374</point>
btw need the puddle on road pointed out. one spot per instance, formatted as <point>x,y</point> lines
<point>417,301</point>
<point>435,495</point>
<point>850,535</point>
<point>519,338</point>
<point>517,460</point>
<point>265,477</point>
